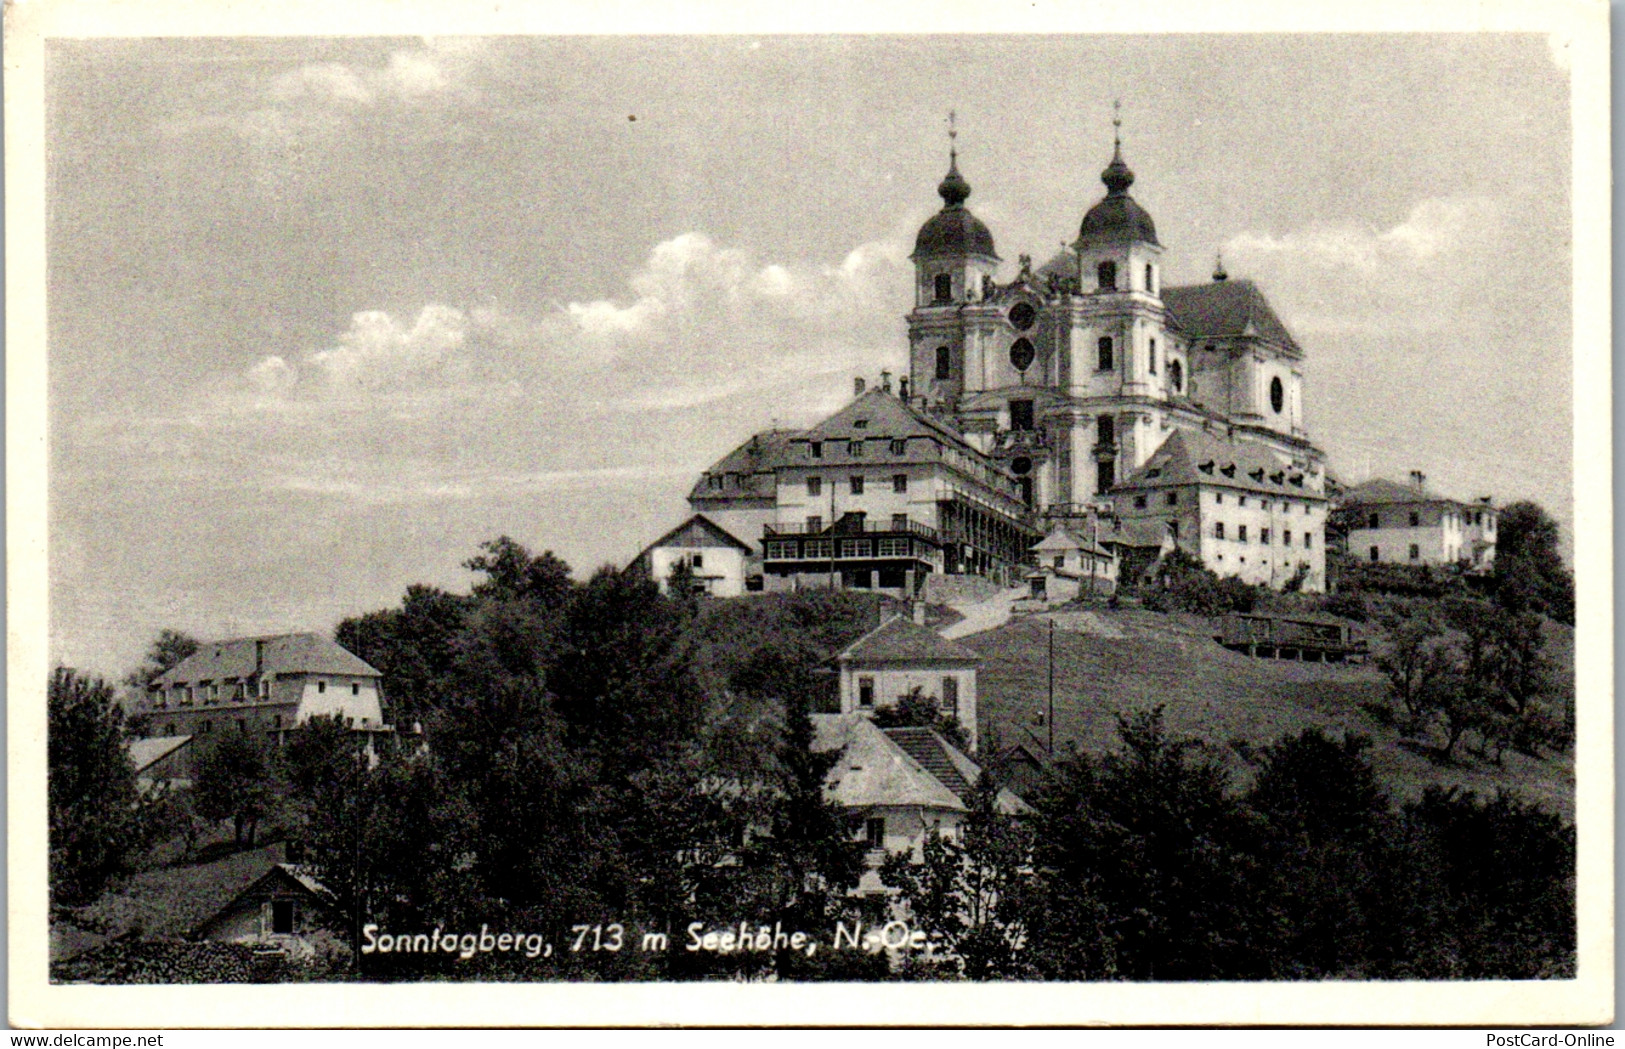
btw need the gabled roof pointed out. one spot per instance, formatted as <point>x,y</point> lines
<point>882,415</point>
<point>952,767</point>
<point>1379,492</point>
<point>901,640</point>
<point>752,463</point>
<point>146,752</point>
<point>873,770</point>
<point>1225,309</point>
<point>698,532</point>
<point>298,877</point>
<point>1198,457</point>
<point>277,654</point>
<point>173,902</point>
<point>1063,538</point>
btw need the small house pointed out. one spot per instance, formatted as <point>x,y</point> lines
<point>719,563</point>
<point>901,657</point>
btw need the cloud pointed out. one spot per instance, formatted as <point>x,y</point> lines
<point>1434,228</point>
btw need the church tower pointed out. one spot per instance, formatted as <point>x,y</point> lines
<point>954,261</point>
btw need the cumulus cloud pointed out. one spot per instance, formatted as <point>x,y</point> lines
<point>699,322</point>
<point>1434,228</point>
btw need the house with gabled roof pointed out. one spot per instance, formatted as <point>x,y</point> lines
<point>1385,521</point>
<point>1235,505</point>
<point>1069,563</point>
<point>897,785</point>
<point>263,686</point>
<point>719,563</point>
<point>900,658</point>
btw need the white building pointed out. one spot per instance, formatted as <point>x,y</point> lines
<point>889,663</point>
<point>1384,521</point>
<point>1071,563</point>
<point>719,563</point>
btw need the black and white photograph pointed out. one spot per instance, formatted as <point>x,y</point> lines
<point>654,523</point>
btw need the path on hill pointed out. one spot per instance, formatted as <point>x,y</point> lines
<point>983,615</point>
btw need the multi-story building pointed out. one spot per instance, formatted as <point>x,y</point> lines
<point>1384,521</point>
<point>264,686</point>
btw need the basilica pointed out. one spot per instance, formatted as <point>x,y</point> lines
<point>1082,394</point>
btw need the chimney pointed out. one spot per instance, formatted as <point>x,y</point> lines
<point>885,381</point>
<point>919,613</point>
<point>259,655</point>
<point>902,390</point>
<point>857,386</point>
<point>1417,478</point>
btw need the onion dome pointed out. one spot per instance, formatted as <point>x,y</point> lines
<point>953,230</point>
<point>1118,217</point>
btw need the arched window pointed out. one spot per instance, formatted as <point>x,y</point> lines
<point>1022,354</point>
<point>942,362</point>
<point>1150,279</point>
<point>1277,395</point>
<point>1106,276</point>
<point>1176,377</point>
<point>944,288</point>
<point>1106,361</point>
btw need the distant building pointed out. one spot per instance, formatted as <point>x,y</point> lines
<point>897,785</point>
<point>161,761</point>
<point>282,911</point>
<point>1070,564</point>
<point>263,686</point>
<point>886,665</point>
<point>719,563</point>
<point>1384,521</point>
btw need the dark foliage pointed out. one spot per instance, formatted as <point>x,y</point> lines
<point>1181,583</point>
<point>236,780</point>
<point>1530,575</point>
<point>167,650</point>
<point>919,709</point>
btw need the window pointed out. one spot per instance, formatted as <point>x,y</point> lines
<point>1105,431</point>
<point>1139,502</point>
<point>1416,552</point>
<point>857,548</point>
<point>1371,521</point>
<point>1264,536</point>
<point>1218,529</point>
<point>857,484</point>
<point>1172,498</point>
<point>169,729</point>
<point>1218,498</point>
<point>874,832</point>
<point>1241,533</point>
<point>815,523</point>
<point>816,448</point>
<point>1374,555</point>
<point>1176,376</point>
<point>781,551</point>
<point>815,486</point>
<point>282,917</point>
<point>944,287</point>
<point>854,449</point>
<point>942,362</point>
<point>1286,537</point>
<point>1106,276</point>
<point>899,482</point>
<point>1277,395</point>
<point>866,693</point>
<point>276,720</point>
<point>321,686</point>
<point>1022,354</point>
<point>817,549</point>
<point>205,727</point>
<point>1107,361</point>
<point>893,548</point>
<point>1152,357</point>
<point>1416,519</point>
<point>242,726</point>
<point>950,696</point>
<point>1105,476</point>
<point>1059,561</point>
<point>899,447</point>
<point>1150,279</point>
<point>1241,500</point>
<point>899,522</point>
<point>1021,415</point>
<point>860,424</point>
<point>1173,530</point>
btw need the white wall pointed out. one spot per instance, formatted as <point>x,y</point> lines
<point>343,696</point>
<point>721,568</point>
<point>894,682</point>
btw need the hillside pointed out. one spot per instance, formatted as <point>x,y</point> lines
<point>1107,662</point>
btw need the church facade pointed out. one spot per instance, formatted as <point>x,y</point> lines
<point>1045,400</point>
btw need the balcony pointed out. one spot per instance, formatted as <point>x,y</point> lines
<point>1019,440</point>
<point>854,528</point>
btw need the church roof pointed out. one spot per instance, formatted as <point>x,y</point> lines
<point>1225,309</point>
<point>1196,457</point>
<point>752,463</point>
<point>1118,216</point>
<point>900,640</point>
<point>953,230</point>
<point>278,654</point>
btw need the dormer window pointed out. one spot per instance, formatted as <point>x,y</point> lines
<point>899,447</point>
<point>815,449</point>
<point>1228,469</point>
<point>855,449</point>
<point>1206,467</point>
<point>1106,276</point>
<point>860,424</point>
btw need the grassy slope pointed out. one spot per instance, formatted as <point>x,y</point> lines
<point>1218,695</point>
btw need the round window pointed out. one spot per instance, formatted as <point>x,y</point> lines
<point>1022,315</point>
<point>1277,395</point>
<point>1021,355</point>
<point>1021,466</point>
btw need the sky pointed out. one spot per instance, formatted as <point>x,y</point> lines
<point>325,314</point>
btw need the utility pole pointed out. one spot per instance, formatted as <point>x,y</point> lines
<point>1052,688</point>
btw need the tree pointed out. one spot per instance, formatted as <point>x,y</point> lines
<point>919,709</point>
<point>414,646</point>
<point>96,814</point>
<point>167,651</point>
<point>236,780</point>
<point>971,892</point>
<point>511,572</point>
<point>1530,575</point>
